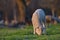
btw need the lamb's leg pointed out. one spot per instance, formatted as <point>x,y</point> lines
<point>44,29</point>
<point>34,31</point>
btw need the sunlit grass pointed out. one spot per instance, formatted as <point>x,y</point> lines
<point>53,33</point>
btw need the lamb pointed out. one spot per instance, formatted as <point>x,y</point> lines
<point>38,21</point>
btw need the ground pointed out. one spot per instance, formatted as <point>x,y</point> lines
<point>53,33</point>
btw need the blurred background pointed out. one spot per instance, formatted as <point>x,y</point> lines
<point>20,11</point>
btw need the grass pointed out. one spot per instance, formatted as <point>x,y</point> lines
<point>27,33</point>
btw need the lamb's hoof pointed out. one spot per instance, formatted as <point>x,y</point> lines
<point>34,33</point>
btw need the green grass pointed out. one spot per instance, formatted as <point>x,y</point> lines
<point>27,33</point>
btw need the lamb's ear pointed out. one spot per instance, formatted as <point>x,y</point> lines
<point>37,28</point>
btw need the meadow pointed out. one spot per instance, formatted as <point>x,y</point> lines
<point>53,33</point>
